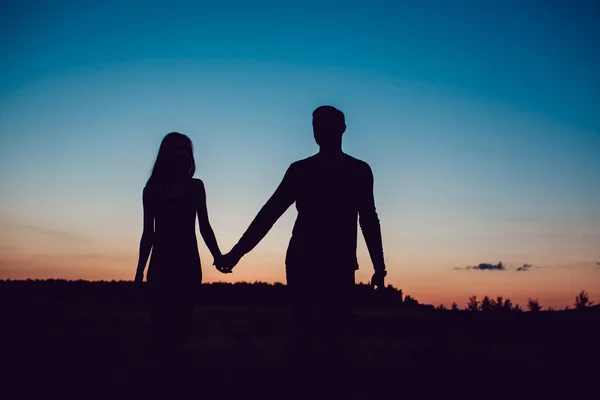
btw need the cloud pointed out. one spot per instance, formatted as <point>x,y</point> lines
<point>490,267</point>
<point>499,267</point>
<point>524,267</point>
<point>485,267</point>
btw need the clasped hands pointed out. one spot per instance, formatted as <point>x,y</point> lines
<point>226,262</point>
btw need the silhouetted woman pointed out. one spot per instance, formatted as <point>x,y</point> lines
<point>172,198</point>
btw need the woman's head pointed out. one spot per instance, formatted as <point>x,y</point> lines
<point>175,160</point>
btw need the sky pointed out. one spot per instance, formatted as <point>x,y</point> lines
<point>479,119</point>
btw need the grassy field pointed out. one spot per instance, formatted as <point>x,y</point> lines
<point>86,350</point>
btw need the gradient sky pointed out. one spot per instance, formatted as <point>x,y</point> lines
<point>480,120</point>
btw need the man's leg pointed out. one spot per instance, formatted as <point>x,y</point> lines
<point>337,311</point>
<point>303,323</point>
<point>303,334</point>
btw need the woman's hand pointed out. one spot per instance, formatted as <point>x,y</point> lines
<point>139,279</point>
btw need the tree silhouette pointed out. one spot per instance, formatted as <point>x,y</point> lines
<point>533,305</point>
<point>507,306</point>
<point>499,303</point>
<point>410,301</point>
<point>490,305</point>
<point>487,304</point>
<point>473,304</point>
<point>241,293</point>
<point>210,294</point>
<point>518,308</point>
<point>582,300</point>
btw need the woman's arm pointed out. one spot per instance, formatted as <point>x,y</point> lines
<point>147,239</point>
<point>205,229</point>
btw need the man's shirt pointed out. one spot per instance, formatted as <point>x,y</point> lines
<point>331,194</point>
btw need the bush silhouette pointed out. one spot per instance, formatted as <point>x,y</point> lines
<point>242,293</point>
<point>582,300</point>
<point>518,308</point>
<point>410,301</point>
<point>487,304</point>
<point>533,305</point>
<point>473,304</point>
<point>507,306</point>
<point>498,303</point>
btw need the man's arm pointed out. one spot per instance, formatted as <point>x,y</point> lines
<point>279,202</point>
<point>369,221</point>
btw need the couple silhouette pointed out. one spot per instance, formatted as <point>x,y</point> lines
<point>332,191</point>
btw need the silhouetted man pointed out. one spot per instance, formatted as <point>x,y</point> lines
<point>332,190</point>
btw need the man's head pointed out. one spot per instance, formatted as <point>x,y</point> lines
<point>329,124</point>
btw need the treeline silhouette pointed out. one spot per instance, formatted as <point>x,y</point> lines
<point>501,305</point>
<point>214,294</point>
<point>248,294</point>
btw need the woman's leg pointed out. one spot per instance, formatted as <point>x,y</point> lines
<point>183,322</point>
<point>159,321</point>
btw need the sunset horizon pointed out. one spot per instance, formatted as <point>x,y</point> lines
<point>421,286</point>
<point>481,128</point>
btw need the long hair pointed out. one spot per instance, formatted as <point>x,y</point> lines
<point>175,161</point>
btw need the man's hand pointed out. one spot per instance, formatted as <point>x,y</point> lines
<point>378,279</point>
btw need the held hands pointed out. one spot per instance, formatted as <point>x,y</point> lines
<point>226,262</point>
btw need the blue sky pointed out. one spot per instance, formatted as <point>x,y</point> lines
<point>480,121</point>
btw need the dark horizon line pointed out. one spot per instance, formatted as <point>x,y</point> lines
<point>389,288</point>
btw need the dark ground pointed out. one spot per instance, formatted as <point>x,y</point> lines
<point>85,350</point>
